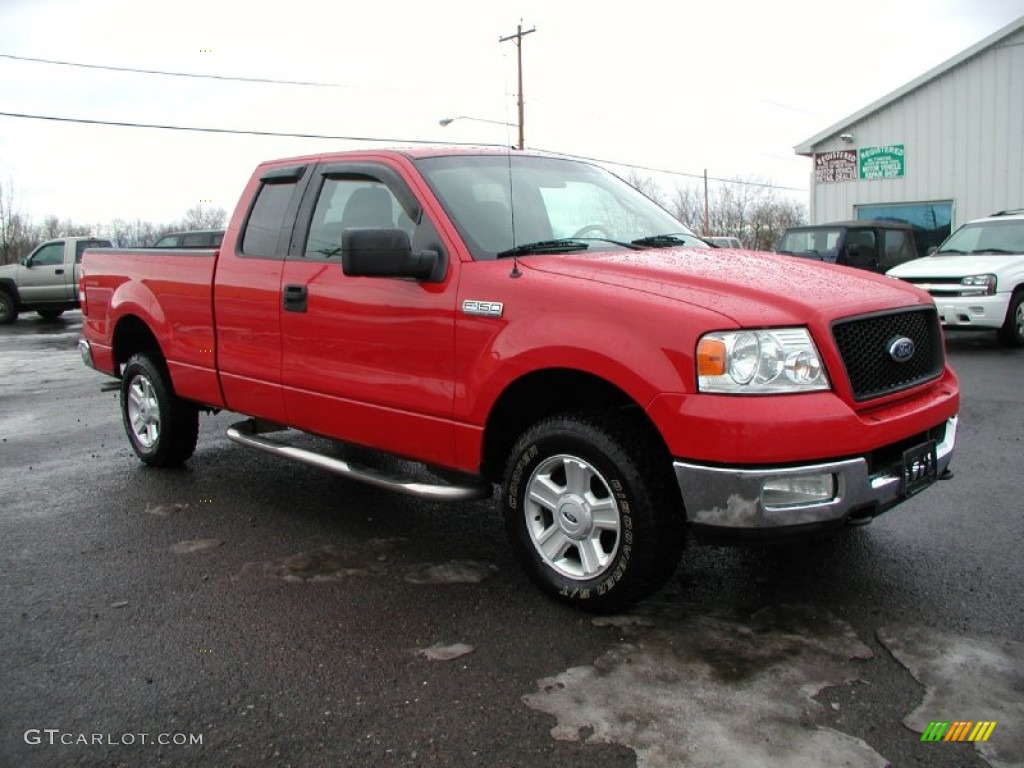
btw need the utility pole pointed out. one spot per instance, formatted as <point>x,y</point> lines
<point>518,37</point>
<point>707,230</point>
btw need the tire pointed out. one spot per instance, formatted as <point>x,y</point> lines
<point>8,308</point>
<point>599,495</point>
<point>50,314</point>
<point>1012,332</point>
<point>162,428</point>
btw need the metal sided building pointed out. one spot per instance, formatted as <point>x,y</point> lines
<point>945,148</point>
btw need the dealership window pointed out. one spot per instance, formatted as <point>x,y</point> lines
<point>931,221</point>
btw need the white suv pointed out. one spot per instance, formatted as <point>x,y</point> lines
<point>977,276</point>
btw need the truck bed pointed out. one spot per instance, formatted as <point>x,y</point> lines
<point>174,288</point>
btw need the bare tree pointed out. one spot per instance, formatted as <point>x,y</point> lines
<point>770,219</point>
<point>687,205</point>
<point>15,237</point>
<point>199,217</point>
<point>749,209</point>
<point>134,234</point>
<point>52,227</point>
<point>645,185</point>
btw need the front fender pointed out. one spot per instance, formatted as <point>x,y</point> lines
<point>626,356</point>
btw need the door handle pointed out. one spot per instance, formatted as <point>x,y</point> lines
<point>58,271</point>
<point>295,298</point>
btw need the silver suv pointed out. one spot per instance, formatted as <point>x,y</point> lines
<point>977,276</point>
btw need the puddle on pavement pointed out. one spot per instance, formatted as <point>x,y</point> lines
<point>196,545</point>
<point>708,691</point>
<point>334,562</point>
<point>454,572</point>
<point>326,563</point>
<point>165,510</point>
<point>966,679</point>
<point>442,652</point>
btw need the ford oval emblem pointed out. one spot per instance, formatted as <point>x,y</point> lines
<point>901,349</point>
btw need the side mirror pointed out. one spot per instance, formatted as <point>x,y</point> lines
<point>26,262</point>
<point>385,253</point>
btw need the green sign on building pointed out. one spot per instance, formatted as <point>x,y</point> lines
<point>881,162</point>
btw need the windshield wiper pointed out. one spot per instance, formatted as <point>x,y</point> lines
<point>561,245</point>
<point>620,243</point>
<point>992,250</point>
<point>659,241</point>
<point>951,250</point>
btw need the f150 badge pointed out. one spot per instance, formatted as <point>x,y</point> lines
<point>482,308</point>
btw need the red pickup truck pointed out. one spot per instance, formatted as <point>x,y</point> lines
<point>532,321</point>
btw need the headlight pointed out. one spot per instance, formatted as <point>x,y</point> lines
<point>978,285</point>
<point>759,362</point>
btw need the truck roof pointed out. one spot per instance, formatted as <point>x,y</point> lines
<point>412,153</point>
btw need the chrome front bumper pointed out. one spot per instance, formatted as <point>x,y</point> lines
<point>734,500</point>
<point>85,350</point>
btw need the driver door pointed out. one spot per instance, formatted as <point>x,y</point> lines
<point>42,278</point>
<point>367,359</point>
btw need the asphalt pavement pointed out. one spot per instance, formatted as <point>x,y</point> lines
<point>246,610</point>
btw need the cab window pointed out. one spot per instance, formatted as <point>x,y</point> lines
<point>49,255</point>
<point>353,203</point>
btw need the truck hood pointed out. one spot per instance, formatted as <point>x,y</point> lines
<point>9,270</point>
<point>958,266</point>
<point>752,288</point>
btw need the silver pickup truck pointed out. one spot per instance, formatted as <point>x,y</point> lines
<point>45,281</point>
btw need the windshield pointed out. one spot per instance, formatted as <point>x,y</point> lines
<point>987,237</point>
<point>549,199</point>
<point>810,241</point>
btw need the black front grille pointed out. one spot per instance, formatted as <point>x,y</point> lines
<point>864,344</point>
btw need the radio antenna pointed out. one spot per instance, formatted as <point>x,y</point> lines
<point>518,37</point>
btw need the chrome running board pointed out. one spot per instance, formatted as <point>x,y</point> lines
<point>251,431</point>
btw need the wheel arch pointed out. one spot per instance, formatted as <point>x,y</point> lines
<point>546,392</point>
<point>131,337</point>
<point>8,286</point>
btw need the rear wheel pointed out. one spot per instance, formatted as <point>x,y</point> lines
<point>163,428</point>
<point>8,309</point>
<point>50,314</point>
<point>1012,332</point>
<point>591,511</point>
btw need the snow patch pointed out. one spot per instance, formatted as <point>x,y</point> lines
<point>709,691</point>
<point>966,678</point>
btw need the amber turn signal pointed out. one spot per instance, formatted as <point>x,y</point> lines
<point>711,357</point>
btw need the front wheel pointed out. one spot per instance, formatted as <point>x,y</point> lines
<point>163,428</point>
<point>1012,332</point>
<point>591,511</point>
<point>8,309</point>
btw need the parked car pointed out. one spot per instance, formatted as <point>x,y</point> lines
<point>724,242</point>
<point>977,276</point>
<point>876,245</point>
<point>45,281</point>
<point>198,238</point>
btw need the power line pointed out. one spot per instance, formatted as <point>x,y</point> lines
<point>674,173</point>
<point>375,139</point>
<point>174,74</point>
<point>235,131</point>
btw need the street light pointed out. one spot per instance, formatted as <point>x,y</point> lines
<point>446,121</point>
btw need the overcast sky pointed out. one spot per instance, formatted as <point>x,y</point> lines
<point>730,85</point>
